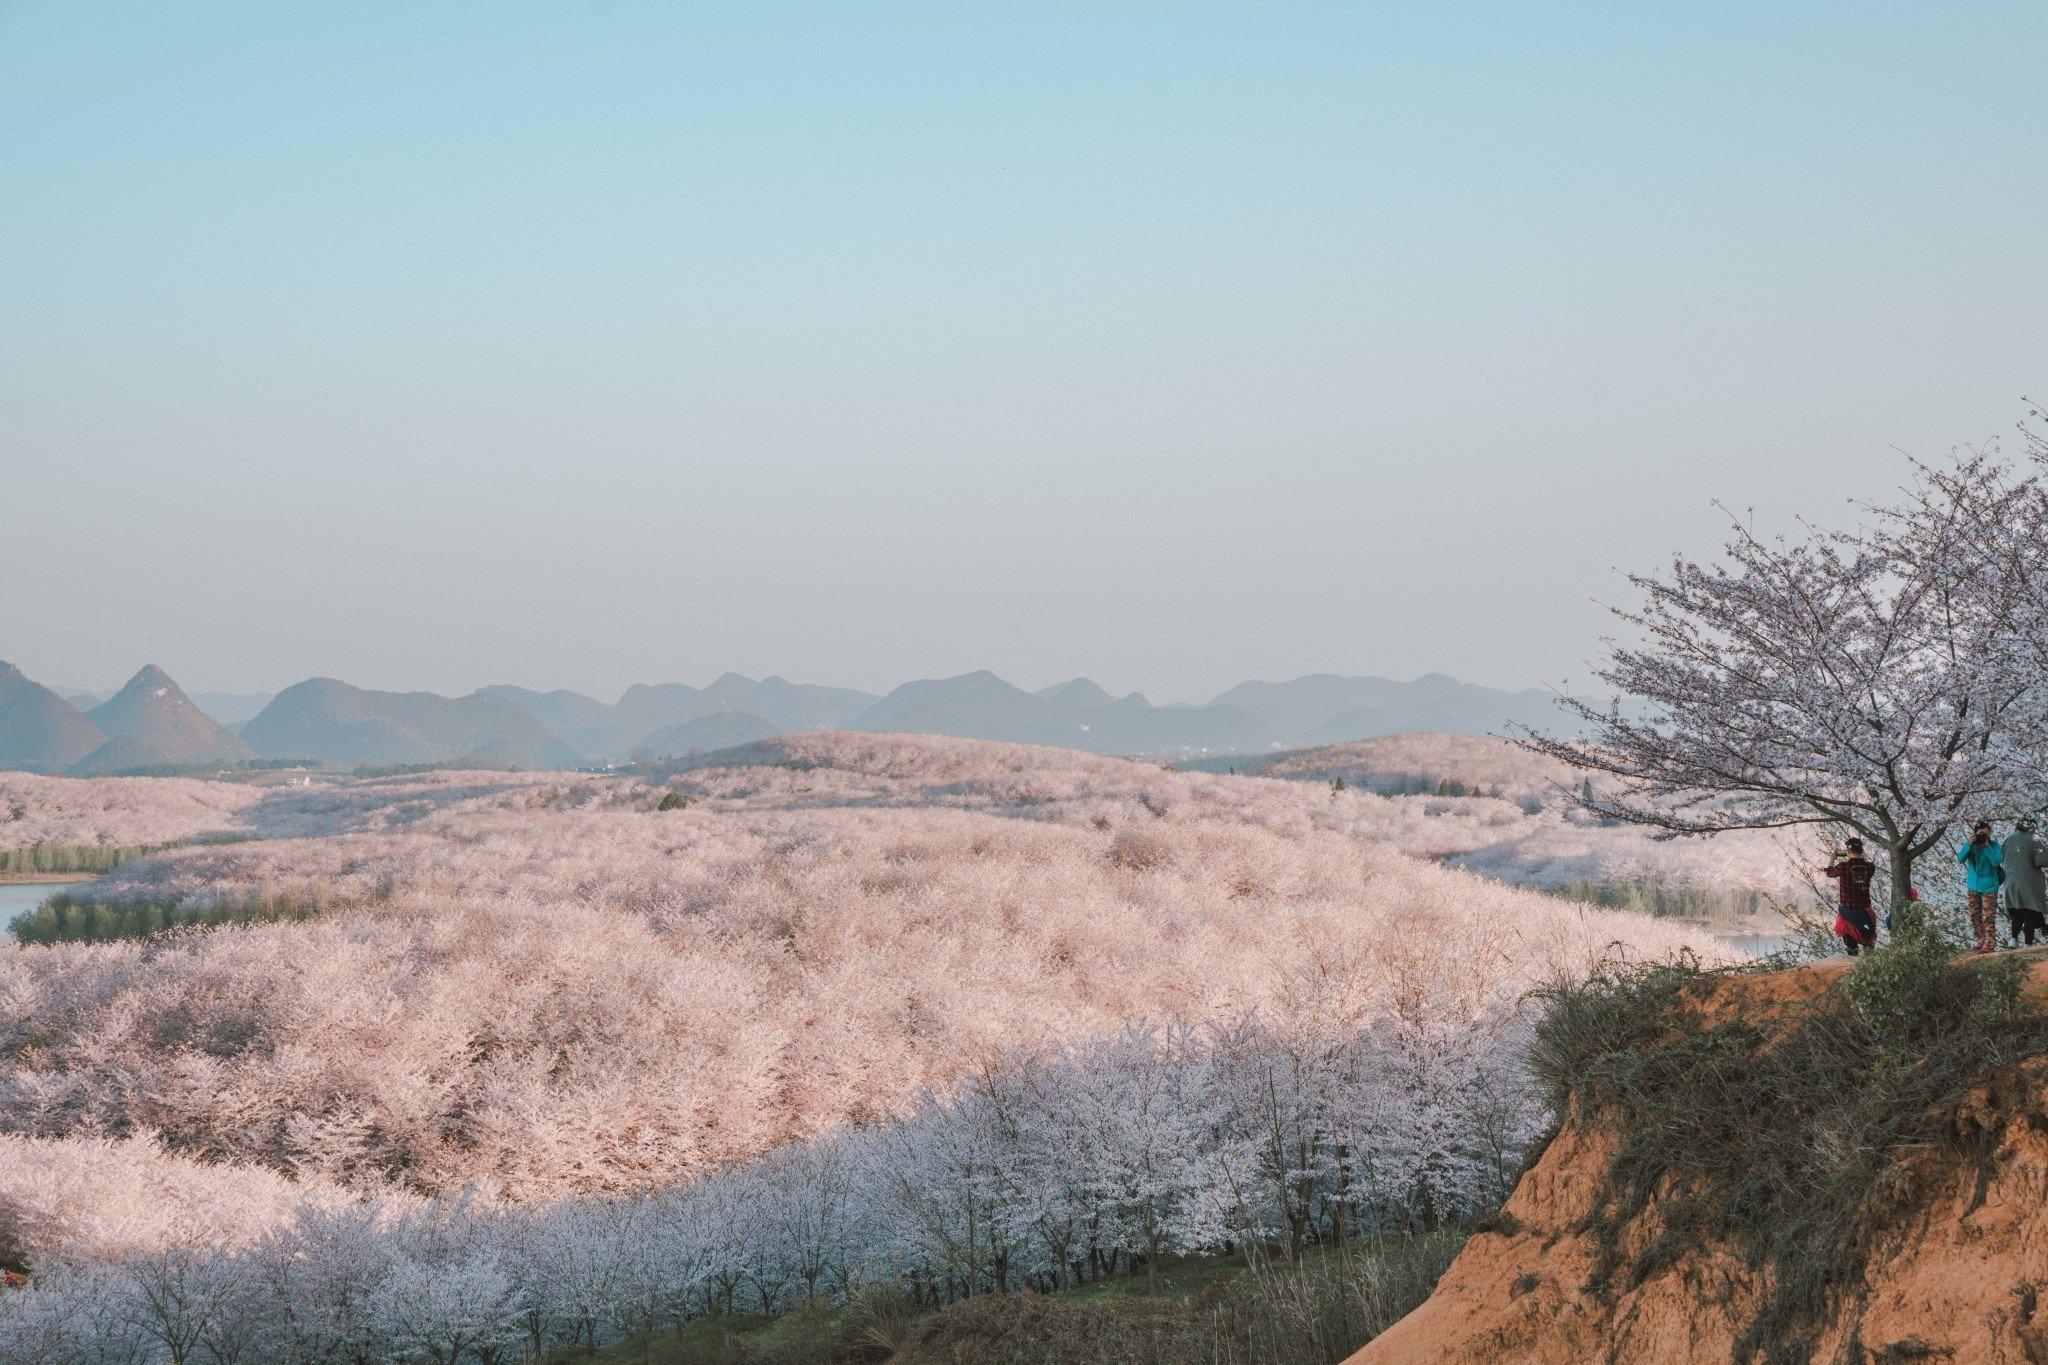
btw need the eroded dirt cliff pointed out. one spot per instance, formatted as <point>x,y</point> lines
<point>1957,1271</point>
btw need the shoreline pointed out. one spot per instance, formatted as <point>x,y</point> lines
<point>44,878</point>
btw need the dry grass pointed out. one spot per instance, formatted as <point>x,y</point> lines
<point>1203,1312</point>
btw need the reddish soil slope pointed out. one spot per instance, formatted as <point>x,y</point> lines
<point>1967,1281</point>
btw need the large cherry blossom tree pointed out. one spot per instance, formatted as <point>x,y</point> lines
<point>1887,680</point>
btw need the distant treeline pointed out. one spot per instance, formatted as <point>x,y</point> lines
<point>1414,784</point>
<point>73,858</point>
<point>1378,783</point>
<point>446,765</point>
<point>1418,784</point>
<point>247,765</point>
<point>62,859</point>
<point>1668,901</point>
<point>68,919</point>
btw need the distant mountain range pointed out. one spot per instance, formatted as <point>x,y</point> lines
<point>150,724</point>
<point>671,719</point>
<point>346,726</point>
<point>660,715</point>
<point>229,708</point>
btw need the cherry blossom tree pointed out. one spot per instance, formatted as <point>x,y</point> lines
<point>1087,1160</point>
<point>449,1310</point>
<point>1870,681</point>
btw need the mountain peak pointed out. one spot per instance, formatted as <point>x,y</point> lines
<point>732,687</point>
<point>39,730</point>
<point>1077,693</point>
<point>155,715</point>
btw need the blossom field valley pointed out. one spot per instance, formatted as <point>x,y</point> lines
<point>546,1058</point>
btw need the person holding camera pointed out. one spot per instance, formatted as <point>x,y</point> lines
<point>1983,860</point>
<point>1855,921</point>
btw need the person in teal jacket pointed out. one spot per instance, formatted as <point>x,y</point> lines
<point>1983,860</point>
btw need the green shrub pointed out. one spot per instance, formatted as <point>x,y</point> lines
<point>1597,1026</point>
<point>68,919</point>
<point>72,858</point>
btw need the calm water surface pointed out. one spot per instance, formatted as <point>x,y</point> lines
<point>1759,945</point>
<point>16,897</point>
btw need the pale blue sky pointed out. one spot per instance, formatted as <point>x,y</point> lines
<point>573,344</point>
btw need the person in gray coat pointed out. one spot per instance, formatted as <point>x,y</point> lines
<point>2026,900</point>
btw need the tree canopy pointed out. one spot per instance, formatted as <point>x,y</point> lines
<point>1890,679</point>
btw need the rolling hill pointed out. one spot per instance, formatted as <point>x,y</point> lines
<point>1326,709</point>
<point>649,714</point>
<point>1073,715</point>
<point>719,730</point>
<point>575,719</point>
<point>349,726</point>
<point>39,730</point>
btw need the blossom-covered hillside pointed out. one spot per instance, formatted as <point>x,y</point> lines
<point>117,810</point>
<point>1398,764</point>
<point>1521,830</point>
<point>1547,842</point>
<point>549,984</point>
<point>141,811</point>
<point>773,1020</point>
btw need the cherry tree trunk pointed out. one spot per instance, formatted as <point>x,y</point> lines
<point>1902,879</point>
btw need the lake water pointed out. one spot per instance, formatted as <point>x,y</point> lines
<point>1758,945</point>
<point>16,897</point>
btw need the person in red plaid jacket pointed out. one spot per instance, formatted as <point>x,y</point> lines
<point>1855,923</point>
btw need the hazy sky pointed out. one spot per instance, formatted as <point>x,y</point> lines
<point>430,345</point>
